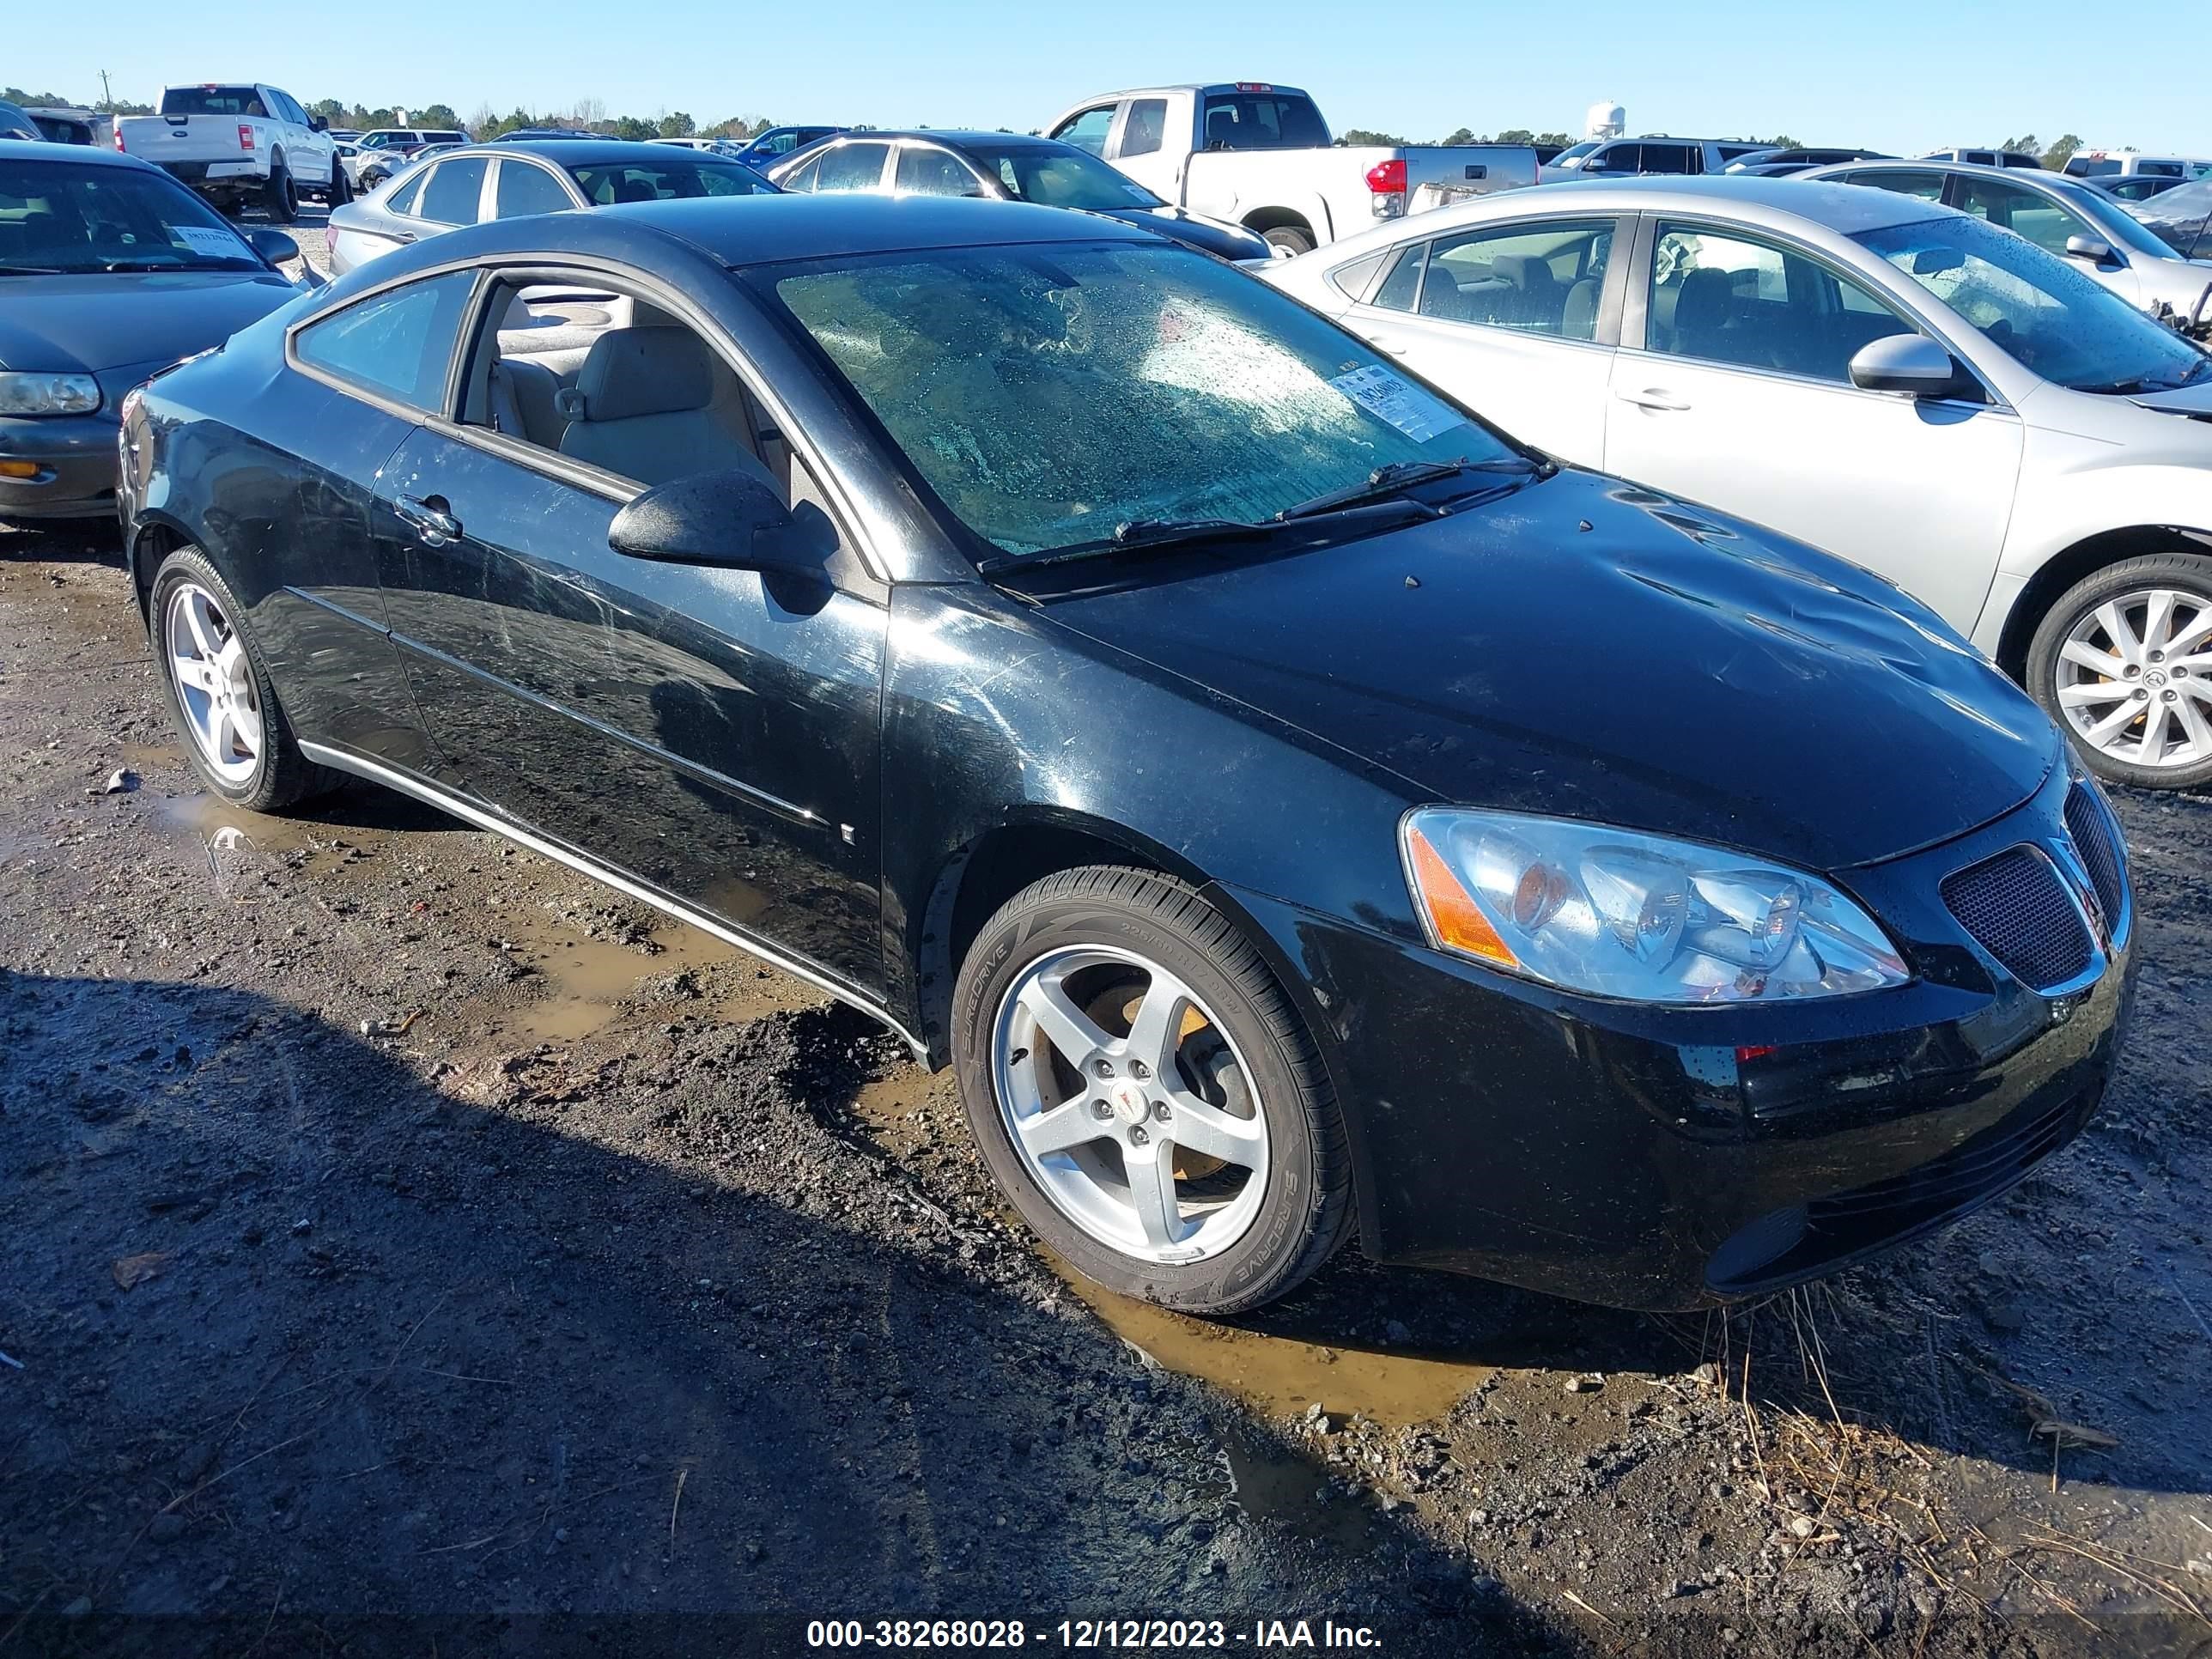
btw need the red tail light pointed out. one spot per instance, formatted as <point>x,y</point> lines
<point>118,131</point>
<point>1387,178</point>
<point>246,141</point>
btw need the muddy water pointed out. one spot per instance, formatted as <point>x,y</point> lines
<point>1281,1375</point>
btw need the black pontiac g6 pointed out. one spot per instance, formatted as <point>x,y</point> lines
<point>1288,803</point>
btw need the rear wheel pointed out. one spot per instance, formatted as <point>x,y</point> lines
<point>1143,1093</point>
<point>2123,663</point>
<point>280,197</point>
<point>341,190</point>
<point>218,692</point>
<point>1292,237</point>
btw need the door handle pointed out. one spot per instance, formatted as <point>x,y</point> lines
<point>1653,397</point>
<point>430,518</point>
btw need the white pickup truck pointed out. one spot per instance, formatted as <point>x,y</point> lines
<point>1260,156</point>
<point>238,143</point>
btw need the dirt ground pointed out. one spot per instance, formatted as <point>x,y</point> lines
<point>412,1247</point>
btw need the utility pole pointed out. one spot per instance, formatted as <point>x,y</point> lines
<point>107,96</point>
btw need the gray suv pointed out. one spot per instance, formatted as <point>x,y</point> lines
<point>1654,152</point>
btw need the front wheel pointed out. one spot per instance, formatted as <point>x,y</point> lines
<point>341,190</point>
<point>2123,663</point>
<point>1143,1091</point>
<point>219,691</point>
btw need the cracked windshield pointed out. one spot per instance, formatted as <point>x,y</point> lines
<point>1051,395</point>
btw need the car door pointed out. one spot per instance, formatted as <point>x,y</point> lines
<point>2045,221</point>
<point>1732,387</point>
<point>700,731</point>
<point>1512,320</point>
<point>1139,146</point>
<point>365,376</point>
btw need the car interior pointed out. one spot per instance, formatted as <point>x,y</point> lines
<point>617,383</point>
<point>1732,301</point>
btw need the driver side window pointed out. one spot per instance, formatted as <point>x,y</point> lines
<point>1747,303</point>
<point>1088,130</point>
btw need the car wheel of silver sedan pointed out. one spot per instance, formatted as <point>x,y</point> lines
<point>219,691</point>
<point>2123,663</point>
<point>1145,1093</point>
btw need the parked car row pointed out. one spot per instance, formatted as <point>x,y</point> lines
<point>1705,893</point>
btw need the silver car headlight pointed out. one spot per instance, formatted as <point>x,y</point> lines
<point>1618,914</point>
<point>24,393</point>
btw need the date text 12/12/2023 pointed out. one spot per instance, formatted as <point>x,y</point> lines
<point>1262,1636</point>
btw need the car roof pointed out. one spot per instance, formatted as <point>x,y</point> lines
<point>573,152</point>
<point>955,136</point>
<point>2030,178</point>
<point>1849,209</point>
<point>97,155</point>
<point>765,229</point>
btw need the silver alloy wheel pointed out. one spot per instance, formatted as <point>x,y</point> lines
<point>2135,677</point>
<point>214,682</point>
<point>1112,1124</point>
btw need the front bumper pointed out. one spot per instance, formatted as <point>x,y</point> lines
<point>75,455</point>
<point>1672,1158</point>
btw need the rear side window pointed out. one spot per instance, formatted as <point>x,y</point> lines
<point>1543,279</point>
<point>397,343</point>
<point>1263,120</point>
<point>851,166</point>
<point>524,189</point>
<point>403,199</point>
<point>1667,158</point>
<point>1146,124</point>
<point>213,100</point>
<point>925,170</point>
<point>1087,131</point>
<point>450,197</point>
<point>1928,186</point>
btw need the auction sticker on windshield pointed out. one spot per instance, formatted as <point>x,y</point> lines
<point>1391,397</point>
<point>219,243</point>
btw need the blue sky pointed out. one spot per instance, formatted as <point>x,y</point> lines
<point>1882,72</point>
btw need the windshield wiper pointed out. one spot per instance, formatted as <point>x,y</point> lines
<point>1133,536</point>
<point>1393,480</point>
<point>1160,535</point>
<point>38,270</point>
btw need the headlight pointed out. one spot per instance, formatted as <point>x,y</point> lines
<point>48,394</point>
<point>1640,917</point>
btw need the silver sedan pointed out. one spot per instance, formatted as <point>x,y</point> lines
<point>1912,387</point>
<point>2060,215</point>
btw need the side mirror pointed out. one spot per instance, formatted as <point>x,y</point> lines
<point>2094,248</point>
<point>1912,364</point>
<point>273,246</point>
<point>318,123</point>
<point>733,518</point>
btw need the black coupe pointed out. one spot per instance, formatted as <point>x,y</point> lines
<point>1286,801</point>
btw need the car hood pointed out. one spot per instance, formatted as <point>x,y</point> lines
<point>89,323</point>
<point>1215,236</point>
<point>1589,649</point>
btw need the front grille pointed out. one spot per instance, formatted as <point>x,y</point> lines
<point>2017,909</point>
<point>1805,1240</point>
<point>2097,838</point>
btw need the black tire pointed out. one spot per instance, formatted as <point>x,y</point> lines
<point>282,775</point>
<point>2187,573</point>
<point>1295,239</point>
<point>341,190</point>
<point>1305,1212</point>
<point>280,197</point>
